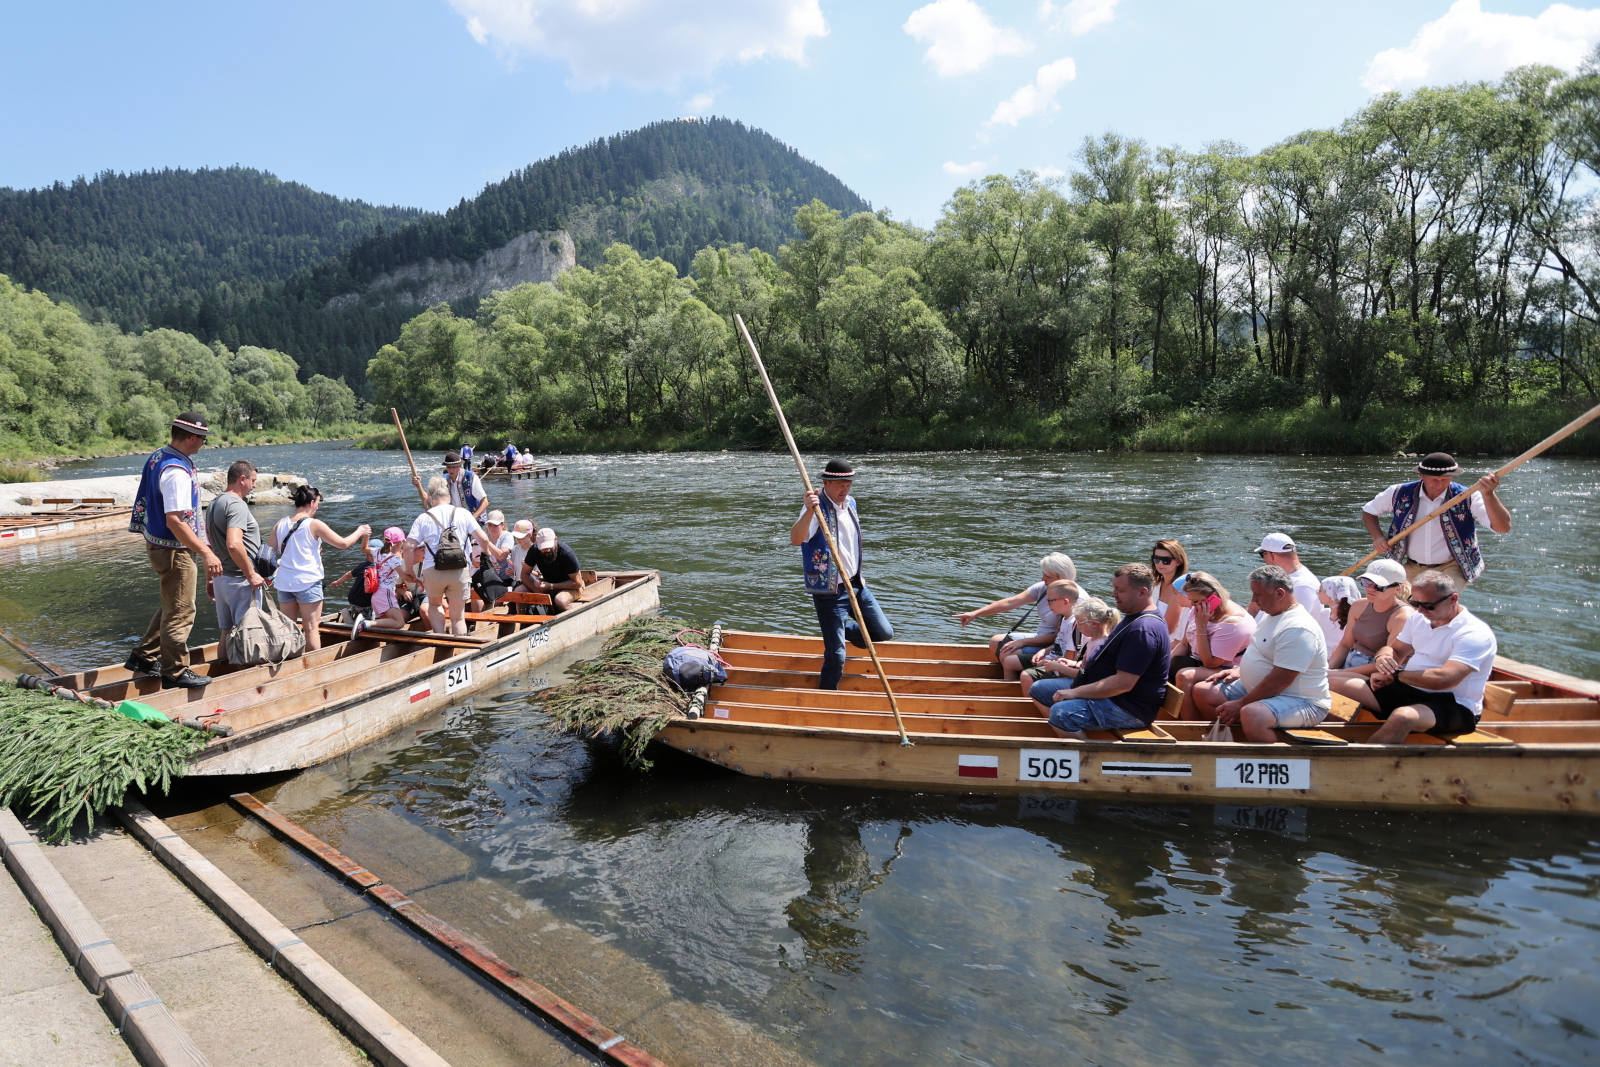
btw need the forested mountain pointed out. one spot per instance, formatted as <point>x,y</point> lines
<point>668,190</point>
<point>125,247</point>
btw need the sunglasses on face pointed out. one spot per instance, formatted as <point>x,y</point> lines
<point>1375,587</point>
<point>1429,605</point>
<point>1163,560</point>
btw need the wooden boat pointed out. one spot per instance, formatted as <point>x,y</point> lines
<point>519,472</point>
<point>1537,748</point>
<point>65,517</point>
<point>310,709</point>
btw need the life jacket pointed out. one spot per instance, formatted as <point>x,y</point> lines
<point>149,510</point>
<point>1460,528</point>
<point>821,570</point>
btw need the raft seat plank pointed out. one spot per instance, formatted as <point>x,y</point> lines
<point>1549,733</point>
<point>1172,703</point>
<point>1152,733</point>
<point>1541,709</point>
<point>1343,709</point>
<point>760,642</point>
<point>291,700</point>
<point>519,597</point>
<point>251,685</point>
<point>869,683</point>
<point>1479,737</point>
<point>1314,737</point>
<point>975,726</point>
<point>812,664</point>
<point>596,589</point>
<point>469,640</point>
<point>845,700</point>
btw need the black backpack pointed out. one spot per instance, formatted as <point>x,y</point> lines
<point>451,555</point>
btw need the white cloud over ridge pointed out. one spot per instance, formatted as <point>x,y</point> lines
<point>1077,17</point>
<point>1467,43</point>
<point>960,37</point>
<point>963,170</point>
<point>1038,97</point>
<point>649,44</point>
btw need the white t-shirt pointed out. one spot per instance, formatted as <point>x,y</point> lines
<point>1464,639</point>
<point>506,542</point>
<point>1332,632</point>
<point>430,526</point>
<point>1306,587</point>
<point>1427,545</point>
<point>1292,640</point>
<point>848,537</point>
<point>1049,621</point>
<point>177,490</point>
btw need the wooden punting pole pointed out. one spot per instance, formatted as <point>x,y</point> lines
<point>822,524</point>
<point>1566,431</point>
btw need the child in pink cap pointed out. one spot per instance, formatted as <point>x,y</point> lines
<point>387,611</point>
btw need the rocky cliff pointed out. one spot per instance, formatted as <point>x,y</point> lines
<point>532,257</point>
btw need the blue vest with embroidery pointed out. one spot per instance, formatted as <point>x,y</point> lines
<point>150,511</point>
<point>822,570</point>
<point>1460,528</point>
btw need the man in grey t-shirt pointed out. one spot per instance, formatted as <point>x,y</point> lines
<point>236,538</point>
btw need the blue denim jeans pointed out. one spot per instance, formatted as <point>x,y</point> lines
<point>1076,716</point>
<point>833,613</point>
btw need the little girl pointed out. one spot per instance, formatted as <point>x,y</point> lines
<point>1094,620</point>
<point>387,612</point>
<point>1335,595</point>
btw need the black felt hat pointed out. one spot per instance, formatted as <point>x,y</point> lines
<point>838,470</point>
<point>192,422</point>
<point>1438,463</point>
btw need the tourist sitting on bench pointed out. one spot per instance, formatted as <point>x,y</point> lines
<point>1433,679</point>
<point>1016,653</point>
<point>1282,681</point>
<point>551,567</point>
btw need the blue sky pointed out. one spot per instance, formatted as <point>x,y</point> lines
<point>423,102</point>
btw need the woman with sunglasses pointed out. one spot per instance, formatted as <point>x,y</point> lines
<point>1170,562</point>
<point>1375,620</point>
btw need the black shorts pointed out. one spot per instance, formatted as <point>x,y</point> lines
<point>1181,663</point>
<point>1025,655</point>
<point>1450,716</point>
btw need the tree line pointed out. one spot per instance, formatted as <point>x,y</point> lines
<point>66,383</point>
<point>1435,247</point>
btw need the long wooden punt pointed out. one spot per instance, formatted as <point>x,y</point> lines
<point>1537,748</point>
<point>519,472</point>
<point>69,518</point>
<point>315,707</point>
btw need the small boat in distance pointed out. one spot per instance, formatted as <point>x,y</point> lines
<point>306,710</point>
<point>63,517</point>
<point>1536,750</point>
<point>527,471</point>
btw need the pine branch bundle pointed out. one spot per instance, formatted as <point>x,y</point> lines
<point>623,690</point>
<point>60,759</point>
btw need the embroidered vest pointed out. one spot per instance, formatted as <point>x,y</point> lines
<point>1460,528</point>
<point>149,510</point>
<point>822,570</point>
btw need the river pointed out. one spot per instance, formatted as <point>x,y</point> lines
<point>855,926</point>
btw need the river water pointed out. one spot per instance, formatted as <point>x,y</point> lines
<point>855,926</point>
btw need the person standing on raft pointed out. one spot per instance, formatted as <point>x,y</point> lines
<point>166,511</point>
<point>1448,544</point>
<point>825,576</point>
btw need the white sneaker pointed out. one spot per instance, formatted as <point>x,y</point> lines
<point>355,627</point>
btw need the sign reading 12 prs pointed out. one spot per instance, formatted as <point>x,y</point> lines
<point>1263,774</point>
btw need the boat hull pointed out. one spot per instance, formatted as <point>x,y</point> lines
<point>49,528</point>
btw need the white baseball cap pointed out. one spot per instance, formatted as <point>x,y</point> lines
<point>546,538</point>
<point>1384,572</point>
<point>497,518</point>
<point>1276,542</point>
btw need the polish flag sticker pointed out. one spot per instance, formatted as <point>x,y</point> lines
<point>421,692</point>
<point>978,766</point>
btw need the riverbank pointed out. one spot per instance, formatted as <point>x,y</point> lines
<point>20,464</point>
<point>1306,430</point>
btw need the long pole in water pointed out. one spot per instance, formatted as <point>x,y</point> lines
<point>855,605</point>
<point>414,474</point>
<point>1566,431</point>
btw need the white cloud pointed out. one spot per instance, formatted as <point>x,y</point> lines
<point>1037,97</point>
<point>960,37</point>
<point>1077,17</point>
<point>1468,44</point>
<point>701,101</point>
<point>1049,172</point>
<point>650,44</point>
<point>963,170</point>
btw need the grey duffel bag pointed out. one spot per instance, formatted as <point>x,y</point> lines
<point>264,635</point>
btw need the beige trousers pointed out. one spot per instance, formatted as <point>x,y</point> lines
<point>1452,568</point>
<point>168,633</point>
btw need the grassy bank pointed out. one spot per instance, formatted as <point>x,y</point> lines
<point>19,458</point>
<point>1310,429</point>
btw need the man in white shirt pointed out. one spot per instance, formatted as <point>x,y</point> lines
<point>1448,541</point>
<point>465,487</point>
<point>1278,550</point>
<point>1283,679</point>
<point>1434,681</point>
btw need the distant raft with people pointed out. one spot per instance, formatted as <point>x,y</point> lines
<point>1536,749</point>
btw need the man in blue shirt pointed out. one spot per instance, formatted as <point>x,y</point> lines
<point>1123,685</point>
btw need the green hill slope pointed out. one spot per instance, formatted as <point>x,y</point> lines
<point>125,247</point>
<point>668,189</point>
